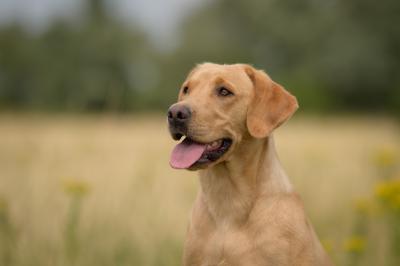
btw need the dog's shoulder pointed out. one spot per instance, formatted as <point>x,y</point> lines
<point>281,204</point>
<point>283,213</point>
<point>279,223</point>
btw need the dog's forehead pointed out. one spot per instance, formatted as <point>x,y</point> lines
<point>233,74</point>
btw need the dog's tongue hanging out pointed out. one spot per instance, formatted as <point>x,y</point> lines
<point>186,153</point>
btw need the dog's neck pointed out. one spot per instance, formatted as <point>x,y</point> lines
<point>230,189</point>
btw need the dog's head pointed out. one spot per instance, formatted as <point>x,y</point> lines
<point>219,106</point>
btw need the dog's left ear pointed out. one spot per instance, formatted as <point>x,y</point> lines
<point>271,105</point>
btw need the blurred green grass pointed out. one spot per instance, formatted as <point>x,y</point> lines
<point>98,190</point>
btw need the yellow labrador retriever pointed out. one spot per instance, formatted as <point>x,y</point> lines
<point>246,212</point>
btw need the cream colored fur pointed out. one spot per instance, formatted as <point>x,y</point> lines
<point>246,212</point>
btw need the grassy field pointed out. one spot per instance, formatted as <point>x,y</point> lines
<point>98,190</point>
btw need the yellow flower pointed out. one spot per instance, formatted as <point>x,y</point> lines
<point>382,190</point>
<point>396,202</point>
<point>385,158</point>
<point>76,188</point>
<point>355,244</point>
<point>363,205</point>
<point>388,192</point>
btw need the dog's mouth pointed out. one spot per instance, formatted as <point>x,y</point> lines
<point>191,154</point>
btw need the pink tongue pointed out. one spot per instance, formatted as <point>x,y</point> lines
<point>186,153</point>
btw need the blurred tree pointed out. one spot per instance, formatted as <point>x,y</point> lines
<point>332,54</point>
<point>14,57</point>
<point>82,67</point>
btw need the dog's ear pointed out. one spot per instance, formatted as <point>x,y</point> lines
<point>271,105</point>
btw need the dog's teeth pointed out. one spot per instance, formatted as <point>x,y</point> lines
<point>214,145</point>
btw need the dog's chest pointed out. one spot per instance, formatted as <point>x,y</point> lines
<point>236,247</point>
<point>225,247</point>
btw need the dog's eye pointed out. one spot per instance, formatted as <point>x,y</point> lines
<point>222,91</point>
<point>185,90</point>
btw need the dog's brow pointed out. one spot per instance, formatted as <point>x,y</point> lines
<point>219,80</point>
<point>222,81</point>
<point>191,83</point>
<point>186,84</point>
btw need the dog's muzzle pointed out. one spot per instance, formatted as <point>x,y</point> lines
<point>178,118</point>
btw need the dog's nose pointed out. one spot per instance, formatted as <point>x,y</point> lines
<point>179,113</point>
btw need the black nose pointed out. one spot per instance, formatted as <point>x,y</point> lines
<point>179,114</point>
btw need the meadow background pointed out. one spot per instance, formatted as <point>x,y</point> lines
<point>84,147</point>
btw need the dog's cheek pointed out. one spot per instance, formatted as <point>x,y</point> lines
<point>240,126</point>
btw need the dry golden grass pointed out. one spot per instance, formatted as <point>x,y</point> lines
<point>134,208</point>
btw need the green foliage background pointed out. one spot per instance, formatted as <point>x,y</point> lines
<point>333,55</point>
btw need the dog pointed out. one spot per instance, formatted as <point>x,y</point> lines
<point>246,211</point>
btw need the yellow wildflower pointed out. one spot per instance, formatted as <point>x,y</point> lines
<point>355,244</point>
<point>388,192</point>
<point>385,158</point>
<point>363,205</point>
<point>396,202</point>
<point>76,188</point>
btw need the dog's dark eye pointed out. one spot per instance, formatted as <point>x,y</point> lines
<point>185,90</point>
<point>222,91</point>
